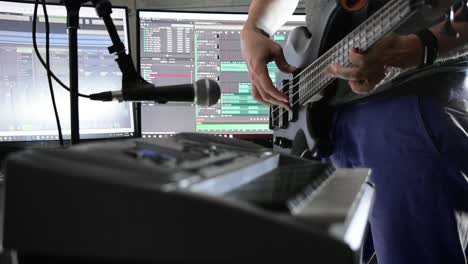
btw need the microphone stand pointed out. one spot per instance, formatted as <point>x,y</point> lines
<point>133,85</point>
<point>73,23</point>
<point>130,77</point>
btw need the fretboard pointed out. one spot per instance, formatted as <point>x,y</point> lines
<point>385,20</point>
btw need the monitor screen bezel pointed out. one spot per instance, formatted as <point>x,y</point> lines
<point>260,136</point>
<point>54,142</point>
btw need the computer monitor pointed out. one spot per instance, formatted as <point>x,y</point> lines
<point>25,102</point>
<point>182,47</point>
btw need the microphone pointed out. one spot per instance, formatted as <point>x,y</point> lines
<point>204,92</point>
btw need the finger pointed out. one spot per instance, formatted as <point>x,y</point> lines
<point>263,95</point>
<point>265,84</point>
<point>257,92</point>
<point>374,82</point>
<point>285,106</point>
<point>357,58</point>
<point>346,73</point>
<point>266,97</point>
<point>271,100</point>
<point>361,87</point>
<point>382,74</point>
<point>281,62</point>
<point>256,95</point>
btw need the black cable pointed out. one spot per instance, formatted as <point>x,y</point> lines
<point>49,72</point>
<point>44,63</point>
<point>47,66</point>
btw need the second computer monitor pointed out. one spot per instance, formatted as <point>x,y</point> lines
<point>181,47</point>
<point>25,102</point>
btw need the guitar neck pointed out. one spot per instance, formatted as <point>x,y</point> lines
<point>385,20</point>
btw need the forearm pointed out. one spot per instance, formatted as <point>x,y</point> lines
<point>408,49</point>
<point>401,51</point>
<point>269,15</point>
<point>448,43</point>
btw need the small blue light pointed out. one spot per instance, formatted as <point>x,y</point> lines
<point>146,153</point>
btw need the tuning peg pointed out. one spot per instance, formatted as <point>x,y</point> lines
<point>448,27</point>
<point>462,16</point>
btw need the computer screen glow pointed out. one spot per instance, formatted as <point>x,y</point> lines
<point>25,102</point>
<point>181,47</point>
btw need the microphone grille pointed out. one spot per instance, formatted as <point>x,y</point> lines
<point>207,92</point>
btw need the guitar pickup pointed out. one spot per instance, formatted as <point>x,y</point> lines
<point>294,100</point>
<point>273,121</point>
<point>283,142</point>
<point>283,113</point>
<point>283,118</point>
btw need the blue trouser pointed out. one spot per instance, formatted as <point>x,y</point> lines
<point>419,162</point>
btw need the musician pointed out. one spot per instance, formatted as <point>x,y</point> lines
<point>416,143</point>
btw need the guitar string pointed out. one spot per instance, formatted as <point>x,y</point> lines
<point>325,58</point>
<point>355,33</point>
<point>324,82</point>
<point>329,60</point>
<point>359,28</point>
<point>334,50</point>
<point>329,80</point>
<point>342,59</point>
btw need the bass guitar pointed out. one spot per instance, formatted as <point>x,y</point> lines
<point>304,130</point>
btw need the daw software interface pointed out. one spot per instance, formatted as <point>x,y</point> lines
<point>179,47</point>
<point>25,102</point>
